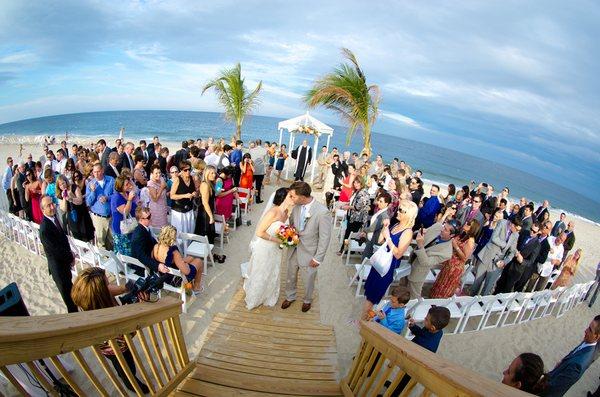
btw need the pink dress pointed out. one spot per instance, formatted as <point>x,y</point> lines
<point>158,208</point>
<point>224,205</point>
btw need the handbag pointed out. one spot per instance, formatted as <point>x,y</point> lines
<point>128,224</point>
<point>381,260</point>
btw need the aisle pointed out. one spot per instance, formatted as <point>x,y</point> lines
<point>266,351</point>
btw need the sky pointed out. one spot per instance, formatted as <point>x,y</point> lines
<point>516,82</point>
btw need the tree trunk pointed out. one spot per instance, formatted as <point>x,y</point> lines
<point>238,132</point>
<point>367,141</point>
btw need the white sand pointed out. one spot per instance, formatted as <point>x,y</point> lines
<point>487,352</point>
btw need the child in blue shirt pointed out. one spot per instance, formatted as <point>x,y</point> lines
<point>392,314</point>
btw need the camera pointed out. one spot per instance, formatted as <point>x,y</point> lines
<point>484,184</point>
<point>151,284</point>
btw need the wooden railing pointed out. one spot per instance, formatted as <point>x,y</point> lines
<point>154,327</point>
<point>384,355</point>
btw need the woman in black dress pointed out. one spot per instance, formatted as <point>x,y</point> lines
<point>205,221</point>
<point>78,215</point>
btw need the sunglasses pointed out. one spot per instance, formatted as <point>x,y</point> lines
<point>477,201</point>
<point>186,170</point>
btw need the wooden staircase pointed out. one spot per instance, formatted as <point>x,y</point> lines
<point>266,352</point>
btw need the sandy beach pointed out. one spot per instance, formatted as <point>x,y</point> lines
<point>487,352</point>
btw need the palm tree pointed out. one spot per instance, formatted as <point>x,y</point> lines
<point>345,91</point>
<point>234,96</point>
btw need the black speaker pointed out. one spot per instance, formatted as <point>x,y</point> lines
<point>11,302</point>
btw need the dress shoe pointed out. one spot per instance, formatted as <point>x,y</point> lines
<point>305,307</point>
<point>286,303</point>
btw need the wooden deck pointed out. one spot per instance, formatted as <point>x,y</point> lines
<point>266,352</point>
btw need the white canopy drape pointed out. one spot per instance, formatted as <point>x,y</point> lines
<point>306,120</point>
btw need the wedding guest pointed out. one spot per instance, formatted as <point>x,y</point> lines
<point>559,225</point>
<point>183,192</point>
<point>33,195</point>
<point>450,195</point>
<point>347,185</point>
<point>123,203</point>
<point>392,314</point>
<point>139,172</point>
<point>539,279</point>
<point>514,213</point>
<point>166,251</point>
<point>487,230</point>
<point>396,239</point>
<point>595,287</point>
<point>570,369</point>
<point>357,211</point>
<point>78,215</point>
<point>205,220</point>
<point>415,187</point>
<point>157,189</point>
<point>495,255</point>
<point>338,171</point>
<point>568,270</point>
<point>58,252</point>
<point>526,222</point>
<point>448,280</point>
<point>14,193</point>
<point>97,197</point>
<point>280,163</point>
<point>569,240</point>
<point>431,207</point>
<point>259,157</point>
<point>434,246</point>
<point>226,194</point>
<point>544,250</point>
<point>471,211</point>
<point>541,211</point>
<point>525,373</point>
<point>376,223</point>
<point>92,291</point>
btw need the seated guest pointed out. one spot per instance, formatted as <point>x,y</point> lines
<point>396,238</point>
<point>569,268</point>
<point>123,203</point>
<point>142,241</point>
<point>525,373</point>
<point>522,260</point>
<point>166,251</point>
<point>429,210</point>
<point>433,247</point>
<point>376,223</point>
<point>495,255</point>
<point>448,280</point>
<point>428,337</point>
<point>568,371</point>
<point>392,314</point>
<point>92,291</point>
<point>357,211</point>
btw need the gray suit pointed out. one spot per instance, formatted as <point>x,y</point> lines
<point>314,242</point>
<point>374,228</point>
<point>426,258</point>
<point>498,248</point>
<point>462,214</point>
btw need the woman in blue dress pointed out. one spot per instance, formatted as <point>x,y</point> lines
<point>397,238</point>
<point>281,156</point>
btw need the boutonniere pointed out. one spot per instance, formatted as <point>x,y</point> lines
<point>307,215</point>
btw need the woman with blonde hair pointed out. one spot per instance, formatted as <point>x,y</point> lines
<point>569,269</point>
<point>92,291</point>
<point>166,251</point>
<point>205,220</point>
<point>396,239</point>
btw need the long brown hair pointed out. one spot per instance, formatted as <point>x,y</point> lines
<point>90,290</point>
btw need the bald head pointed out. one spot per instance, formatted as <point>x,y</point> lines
<point>48,207</point>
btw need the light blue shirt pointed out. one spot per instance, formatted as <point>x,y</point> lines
<point>394,318</point>
<point>91,198</point>
<point>6,178</point>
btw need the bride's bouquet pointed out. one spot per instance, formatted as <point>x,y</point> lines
<point>288,236</point>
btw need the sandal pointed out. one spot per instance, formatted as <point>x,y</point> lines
<point>199,291</point>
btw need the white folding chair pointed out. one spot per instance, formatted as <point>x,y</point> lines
<point>244,201</point>
<point>565,301</point>
<point>5,228</point>
<point>338,218</point>
<point>354,247</point>
<point>470,308</point>
<point>495,305</point>
<point>420,311</point>
<point>527,305</point>
<point>130,265</point>
<point>583,291</point>
<point>198,247</point>
<point>554,297</point>
<point>84,253</point>
<point>36,234</point>
<point>360,276</point>
<point>220,230</point>
<point>32,236</point>
<point>17,227</point>
<point>542,303</point>
<point>468,278</point>
<point>178,290</point>
<point>109,261</point>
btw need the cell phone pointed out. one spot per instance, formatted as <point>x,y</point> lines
<point>421,230</point>
<point>484,184</point>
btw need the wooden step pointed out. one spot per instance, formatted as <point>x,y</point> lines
<point>269,320</point>
<point>270,350</point>
<point>269,344</point>
<point>195,387</point>
<point>257,360</point>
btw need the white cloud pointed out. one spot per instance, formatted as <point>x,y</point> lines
<point>400,118</point>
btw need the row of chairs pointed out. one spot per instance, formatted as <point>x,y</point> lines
<point>86,254</point>
<point>469,314</point>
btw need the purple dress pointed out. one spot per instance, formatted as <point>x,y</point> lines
<point>158,208</point>
<point>375,286</point>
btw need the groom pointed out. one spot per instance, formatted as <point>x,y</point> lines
<point>313,223</point>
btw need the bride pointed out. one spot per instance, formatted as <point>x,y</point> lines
<point>262,276</point>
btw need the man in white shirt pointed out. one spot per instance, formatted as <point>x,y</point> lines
<point>61,161</point>
<point>51,161</point>
<point>212,158</point>
<point>552,261</point>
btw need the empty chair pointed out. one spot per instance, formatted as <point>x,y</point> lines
<point>542,302</point>
<point>360,276</point>
<point>84,254</point>
<point>354,247</point>
<point>244,201</point>
<point>527,306</point>
<point>470,308</point>
<point>565,301</point>
<point>495,305</point>
<point>198,247</point>
<point>220,231</point>
<point>109,261</point>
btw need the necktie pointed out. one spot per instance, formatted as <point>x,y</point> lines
<point>146,155</point>
<point>302,218</point>
<point>57,224</point>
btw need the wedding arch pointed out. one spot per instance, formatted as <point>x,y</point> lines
<point>306,125</point>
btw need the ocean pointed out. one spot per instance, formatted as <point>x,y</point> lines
<point>438,164</point>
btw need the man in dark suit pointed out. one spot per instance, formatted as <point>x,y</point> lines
<point>58,252</point>
<point>490,203</point>
<point>570,240</point>
<point>118,142</point>
<point>526,222</point>
<point>126,160</point>
<point>113,163</point>
<point>541,256</point>
<point>338,172</point>
<point>522,260</point>
<point>142,241</point>
<point>542,209</point>
<point>570,369</point>
<point>103,152</point>
<point>377,223</point>
<point>152,146</point>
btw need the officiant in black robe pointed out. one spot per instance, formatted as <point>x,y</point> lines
<point>303,156</point>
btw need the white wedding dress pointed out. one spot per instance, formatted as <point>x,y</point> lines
<point>262,276</point>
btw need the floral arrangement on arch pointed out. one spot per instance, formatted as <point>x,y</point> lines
<point>306,129</point>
